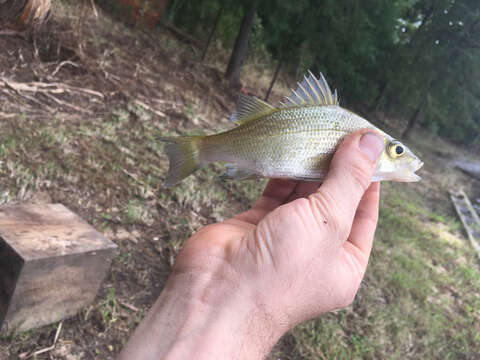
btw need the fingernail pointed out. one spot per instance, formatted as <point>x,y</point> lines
<point>371,145</point>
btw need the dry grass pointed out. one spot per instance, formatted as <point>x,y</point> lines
<point>98,156</point>
<point>23,15</point>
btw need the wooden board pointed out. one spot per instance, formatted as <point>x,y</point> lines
<point>468,216</point>
<point>51,264</point>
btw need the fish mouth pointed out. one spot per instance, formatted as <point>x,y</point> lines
<point>409,174</point>
<point>405,174</point>
<point>416,165</point>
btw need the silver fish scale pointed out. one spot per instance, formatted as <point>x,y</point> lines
<point>292,142</point>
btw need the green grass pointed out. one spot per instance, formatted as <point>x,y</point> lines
<point>421,295</point>
<point>420,298</point>
<point>109,308</point>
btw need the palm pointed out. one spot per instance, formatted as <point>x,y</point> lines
<point>271,236</point>
<point>300,251</point>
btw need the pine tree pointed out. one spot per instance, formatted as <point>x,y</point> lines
<point>239,52</point>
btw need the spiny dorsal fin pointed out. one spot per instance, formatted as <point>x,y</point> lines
<point>248,108</point>
<point>312,91</point>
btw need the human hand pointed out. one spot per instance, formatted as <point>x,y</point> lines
<point>300,251</point>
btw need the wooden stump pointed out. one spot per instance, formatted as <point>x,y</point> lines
<point>51,265</point>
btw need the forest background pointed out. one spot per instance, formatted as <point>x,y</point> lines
<point>419,58</point>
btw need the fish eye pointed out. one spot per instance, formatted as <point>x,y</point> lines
<point>396,150</point>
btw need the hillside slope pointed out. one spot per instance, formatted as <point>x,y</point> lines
<point>80,110</point>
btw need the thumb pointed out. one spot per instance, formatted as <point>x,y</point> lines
<point>350,174</point>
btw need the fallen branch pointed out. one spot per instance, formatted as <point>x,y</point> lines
<point>55,88</point>
<point>15,91</point>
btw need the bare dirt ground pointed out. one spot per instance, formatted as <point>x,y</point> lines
<point>81,106</point>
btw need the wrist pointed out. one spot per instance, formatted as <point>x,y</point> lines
<point>220,319</point>
<point>204,315</point>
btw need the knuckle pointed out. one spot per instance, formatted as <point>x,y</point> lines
<point>368,217</point>
<point>360,173</point>
<point>206,230</point>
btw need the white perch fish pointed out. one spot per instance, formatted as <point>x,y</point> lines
<point>294,141</point>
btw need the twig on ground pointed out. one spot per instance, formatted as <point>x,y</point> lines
<point>64,103</point>
<point>149,108</point>
<point>63,63</point>
<point>87,313</point>
<point>128,306</point>
<point>95,12</point>
<point>47,349</point>
<point>6,116</point>
<point>13,33</point>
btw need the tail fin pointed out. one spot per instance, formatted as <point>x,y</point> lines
<point>183,156</point>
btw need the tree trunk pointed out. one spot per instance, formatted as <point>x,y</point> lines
<point>413,120</point>
<point>212,32</point>
<point>383,90</point>
<point>241,45</point>
<point>173,8</point>
<point>274,79</point>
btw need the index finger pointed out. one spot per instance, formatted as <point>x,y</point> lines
<point>275,194</point>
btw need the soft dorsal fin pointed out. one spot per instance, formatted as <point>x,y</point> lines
<point>312,91</point>
<point>249,107</point>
